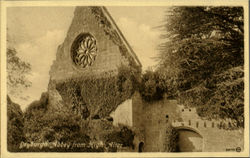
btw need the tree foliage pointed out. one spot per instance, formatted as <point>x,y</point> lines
<point>152,86</point>
<point>155,84</point>
<point>204,54</point>
<point>17,72</point>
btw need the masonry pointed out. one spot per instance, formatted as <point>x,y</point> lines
<point>109,55</point>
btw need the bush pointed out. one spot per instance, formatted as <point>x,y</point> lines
<point>36,106</point>
<point>42,125</point>
<point>122,136</point>
<point>15,125</point>
<point>152,86</point>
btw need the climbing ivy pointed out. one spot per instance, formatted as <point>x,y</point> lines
<point>100,95</point>
<point>171,139</point>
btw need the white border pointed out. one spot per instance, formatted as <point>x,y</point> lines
<point>5,4</point>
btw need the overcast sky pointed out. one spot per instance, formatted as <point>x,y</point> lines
<point>36,33</point>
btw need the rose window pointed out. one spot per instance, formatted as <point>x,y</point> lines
<point>84,50</point>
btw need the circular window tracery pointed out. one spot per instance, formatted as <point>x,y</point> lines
<point>84,50</point>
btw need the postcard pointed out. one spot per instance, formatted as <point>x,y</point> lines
<point>124,78</point>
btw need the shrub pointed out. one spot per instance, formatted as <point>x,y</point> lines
<point>124,136</point>
<point>36,106</point>
<point>152,86</point>
<point>43,125</point>
<point>15,133</point>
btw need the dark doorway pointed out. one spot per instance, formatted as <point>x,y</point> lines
<point>141,144</point>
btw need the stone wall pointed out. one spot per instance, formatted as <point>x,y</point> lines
<point>123,114</point>
<point>138,111</point>
<point>96,23</point>
<point>108,55</point>
<point>216,136</point>
<point>155,123</point>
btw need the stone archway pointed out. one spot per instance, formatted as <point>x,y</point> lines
<point>189,140</point>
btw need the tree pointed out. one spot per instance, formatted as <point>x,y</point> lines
<point>16,81</point>
<point>17,73</point>
<point>204,55</point>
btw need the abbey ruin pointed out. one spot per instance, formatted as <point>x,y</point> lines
<point>94,48</point>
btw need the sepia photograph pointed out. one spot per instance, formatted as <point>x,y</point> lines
<point>150,79</point>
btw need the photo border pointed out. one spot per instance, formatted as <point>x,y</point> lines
<point>5,4</point>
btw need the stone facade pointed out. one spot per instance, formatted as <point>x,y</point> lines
<point>90,26</point>
<point>109,56</point>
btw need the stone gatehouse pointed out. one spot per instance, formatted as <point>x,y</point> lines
<point>94,45</point>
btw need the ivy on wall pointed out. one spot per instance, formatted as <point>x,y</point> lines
<point>99,96</point>
<point>171,139</point>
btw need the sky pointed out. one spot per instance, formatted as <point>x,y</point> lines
<point>36,32</point>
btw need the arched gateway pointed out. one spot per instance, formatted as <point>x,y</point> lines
<point>189,140</point>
